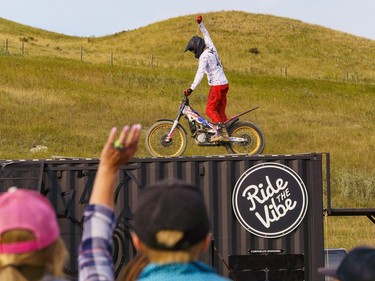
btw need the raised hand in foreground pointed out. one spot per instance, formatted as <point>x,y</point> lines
<point>115,153</point>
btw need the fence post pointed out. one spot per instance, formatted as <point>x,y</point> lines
<point>6,45</point>
<point>284,70</point>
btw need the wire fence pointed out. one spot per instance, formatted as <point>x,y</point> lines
<point>27,47</point>
<point>32,49</point>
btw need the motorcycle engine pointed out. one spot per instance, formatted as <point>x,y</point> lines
<point>201,137</point>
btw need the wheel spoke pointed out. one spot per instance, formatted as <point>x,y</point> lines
<point>158,146</point>
<point>254,143</point>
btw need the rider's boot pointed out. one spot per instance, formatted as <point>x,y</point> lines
<point>221,133</point>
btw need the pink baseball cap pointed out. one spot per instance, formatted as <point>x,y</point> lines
<point>29,210</point>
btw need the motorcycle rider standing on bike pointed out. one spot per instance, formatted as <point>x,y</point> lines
<point>209,63</point>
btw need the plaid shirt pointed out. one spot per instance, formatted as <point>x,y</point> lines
<point>95,250</point>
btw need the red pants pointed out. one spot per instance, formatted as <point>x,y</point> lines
<point>217,102</point>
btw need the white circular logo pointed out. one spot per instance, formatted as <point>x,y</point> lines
<point>270,200</point>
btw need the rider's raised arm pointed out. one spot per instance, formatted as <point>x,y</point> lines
<point>206,36</point>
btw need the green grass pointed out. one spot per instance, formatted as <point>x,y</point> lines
<point>315,88</point>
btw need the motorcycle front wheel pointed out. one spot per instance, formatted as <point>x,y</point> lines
<point>255,140</point>
<point>157,145</point>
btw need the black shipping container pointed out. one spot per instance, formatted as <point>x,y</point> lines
<point>235,251</point>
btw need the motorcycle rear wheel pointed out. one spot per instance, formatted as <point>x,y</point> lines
<point>255,143</point>
<point>157,145</point>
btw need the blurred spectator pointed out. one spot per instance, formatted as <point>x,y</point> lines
<point>171,225</point>
<point>358,265</point>
<point>30,244</point>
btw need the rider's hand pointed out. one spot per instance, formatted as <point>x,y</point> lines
<point>199,19</point>
<point>188,92</point>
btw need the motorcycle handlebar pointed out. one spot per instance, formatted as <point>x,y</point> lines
<point>185,98</point>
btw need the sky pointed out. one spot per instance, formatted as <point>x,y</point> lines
<point>97,18</point>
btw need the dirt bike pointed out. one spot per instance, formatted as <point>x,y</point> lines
<point>168,138</point>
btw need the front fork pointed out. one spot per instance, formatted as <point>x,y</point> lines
<point>170,134</point>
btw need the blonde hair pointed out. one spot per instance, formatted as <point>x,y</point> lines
<point>32,265</point>
<point>134,267</point>
<point>169,238</point>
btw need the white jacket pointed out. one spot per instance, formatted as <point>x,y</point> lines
<point>209,63</point>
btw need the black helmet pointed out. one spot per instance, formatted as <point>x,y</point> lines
<point>196,45</point>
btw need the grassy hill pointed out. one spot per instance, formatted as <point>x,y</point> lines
<point>315,88</point>
<point>281,42</point>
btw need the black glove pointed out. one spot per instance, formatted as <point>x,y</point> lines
<point>188,92</point>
